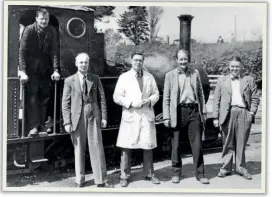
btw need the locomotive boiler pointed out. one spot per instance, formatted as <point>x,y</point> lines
<point>75,30</point>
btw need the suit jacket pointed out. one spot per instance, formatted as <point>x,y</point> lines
<point>137,128</point>
<point>223,95</point>
<point>35,56</point>
<point>72,99</point>
<point>171,95</point>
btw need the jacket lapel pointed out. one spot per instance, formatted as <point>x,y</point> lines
<point>89,83</point>
<point>77,83</point>
<point>243,84</point>
<point>227,84</point>
<point>145,79</point>
<point>176,83</point>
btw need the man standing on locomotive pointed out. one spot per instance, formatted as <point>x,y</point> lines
<point>38,59</point>
<point>184,110</point>
<point>136,91</point>
<point>82,118</point>
<point>235,103</point>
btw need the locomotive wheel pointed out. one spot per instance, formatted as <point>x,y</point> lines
<point>59,154</point>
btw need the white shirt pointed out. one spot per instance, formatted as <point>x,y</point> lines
<point>81,79</point>
<point>236,93</point>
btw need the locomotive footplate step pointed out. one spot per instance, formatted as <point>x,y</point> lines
<point>38,159</point>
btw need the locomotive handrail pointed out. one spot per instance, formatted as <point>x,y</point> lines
<point>16,163</point>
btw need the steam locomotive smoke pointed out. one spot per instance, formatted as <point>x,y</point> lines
<point>158,65</point>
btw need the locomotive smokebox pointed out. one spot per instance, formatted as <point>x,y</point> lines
<point>185,33</point>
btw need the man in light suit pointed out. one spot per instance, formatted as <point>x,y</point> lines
<point>136,91</point>
<point>82,119</point>
<point>184,110</point>
<point>234,107</point>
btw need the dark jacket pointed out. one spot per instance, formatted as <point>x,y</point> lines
<point>36,56</point>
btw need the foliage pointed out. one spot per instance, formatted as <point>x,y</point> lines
<point>112,38</point>
<point>154,16</point>
<point>101,11</point>
<point>214,58</point>
<point>133,24</point>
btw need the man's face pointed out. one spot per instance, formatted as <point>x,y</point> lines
<point>42,20</point>
<point>235,68</point>
<point>182,59</point>
<point>82,63</point>
<point>137,62</point>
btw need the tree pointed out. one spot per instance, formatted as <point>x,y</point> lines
<point>101,11</point>
<point>112,37</point>
<point>155,14</point>
<point>134,25</point>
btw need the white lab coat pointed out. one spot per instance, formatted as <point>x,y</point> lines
<point>137,128</point>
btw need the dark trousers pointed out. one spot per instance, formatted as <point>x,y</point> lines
<point>37,96</point>
<point>235,132</point>
<point>188,121</point>
<point>126,163</point>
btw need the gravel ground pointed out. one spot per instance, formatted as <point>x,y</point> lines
<point>65,178</point>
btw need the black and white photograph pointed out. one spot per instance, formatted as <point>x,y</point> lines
<point>134,97</point>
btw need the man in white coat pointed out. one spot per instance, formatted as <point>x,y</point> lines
<point>137,92</point>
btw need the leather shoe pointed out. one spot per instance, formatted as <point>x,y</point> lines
<point>245,175</point>
<point>106,184</point>
<point>33,131</point>
<point>153,179</point>
<point>175,179</point>
<point>78,185</point>
<point>124,182</point>
<point>223,174</point>
<point>203,180</point>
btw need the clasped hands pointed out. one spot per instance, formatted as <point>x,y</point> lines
<point>142,103</point>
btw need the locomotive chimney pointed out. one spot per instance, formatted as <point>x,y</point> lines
<point>185,33</point>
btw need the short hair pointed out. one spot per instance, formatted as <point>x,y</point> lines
<point>137,53</point>
<point>82,54</point>
<point>236,58</point>
<point>183,51</point>
<point>42,11</point>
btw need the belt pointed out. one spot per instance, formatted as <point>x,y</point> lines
<point>189,105</point>
<point>238,106</point>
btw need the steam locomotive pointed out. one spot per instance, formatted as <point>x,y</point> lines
<point>75,31</point>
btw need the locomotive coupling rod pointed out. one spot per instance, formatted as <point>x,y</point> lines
<point>55,108</point>
<point>23,110</point>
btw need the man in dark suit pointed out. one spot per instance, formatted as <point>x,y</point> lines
<point>82,118</point>
<point>184,110</point>
<point>235,104</point>
<point>38,60</point>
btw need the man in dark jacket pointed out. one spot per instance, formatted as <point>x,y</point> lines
<point>38,60</point>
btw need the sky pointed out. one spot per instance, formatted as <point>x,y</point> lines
<point>208,23</point>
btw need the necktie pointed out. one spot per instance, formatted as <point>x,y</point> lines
<point>139,73</point>
<point>85,93</point>
<point>139,77</point>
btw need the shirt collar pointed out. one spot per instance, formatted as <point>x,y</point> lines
<point>181,71</point>
<point>136,73</point>
<point>39,30</point>
<point>81,75</point>
<point>233,77</point>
